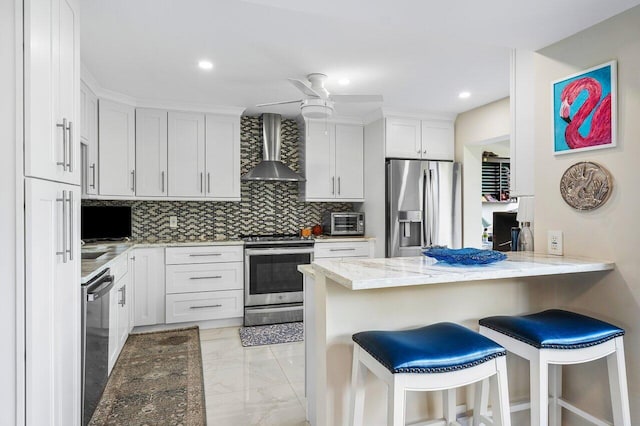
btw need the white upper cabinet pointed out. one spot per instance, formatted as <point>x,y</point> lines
<point>186,155</point>
<point>51,80</point>
<point>116,128</point>
<point>333,162</point>
<point>349,148</point>
<point>151,152</point>
<point>403,138</point>
<point>318,162</point>
<point>437,140</point>
<point>419,139</point>
<point>222,147</point>
<point>89,139</point>
<point>522,123</point>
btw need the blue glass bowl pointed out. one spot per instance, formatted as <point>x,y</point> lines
<point>464,256</point>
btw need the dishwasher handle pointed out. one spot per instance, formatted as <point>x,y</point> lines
<point>102,287</point>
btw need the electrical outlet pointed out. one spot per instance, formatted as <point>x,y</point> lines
<point>554,242</point>
<point>173,221</point>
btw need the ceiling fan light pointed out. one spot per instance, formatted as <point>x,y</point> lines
<point>312,108</point>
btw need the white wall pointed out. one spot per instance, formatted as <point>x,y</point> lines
<point>610,232</point>
<point>8,223</point>
<point>374,185</point>
<point>488,124</point>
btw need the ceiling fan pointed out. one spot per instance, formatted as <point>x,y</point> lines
<point>318,102</point>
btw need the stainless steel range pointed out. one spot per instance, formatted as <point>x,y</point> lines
<point>272,283</point>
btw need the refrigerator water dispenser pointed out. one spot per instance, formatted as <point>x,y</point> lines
<point>410,228</point>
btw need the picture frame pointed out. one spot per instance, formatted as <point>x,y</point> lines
<point>584,110</point>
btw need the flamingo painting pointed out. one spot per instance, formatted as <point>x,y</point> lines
<point>583,114</point>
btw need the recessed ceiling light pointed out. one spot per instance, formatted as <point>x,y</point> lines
<point>205,65</point>
<point>464,95</point>
<point>344,81</point>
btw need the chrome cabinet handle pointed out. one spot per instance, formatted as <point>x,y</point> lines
<point>133,181</point>
<point>338,185</point>
<point>204,254</point>
<point>93,175</point>
<point>201,180</point>
<point>205,306</point>
<point>424,152</point>
<point>64,251</point>
<point>123,295</point>
<point>205,278</point>
<point>162,173</point>
<point>333,185</point>
<point>63,163</point>
<point>342,249</point>
<point>70,139</point>
<point>208,182</point>
<point>70,200</point>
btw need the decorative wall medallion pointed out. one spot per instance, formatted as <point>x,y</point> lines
<point>586,185</point>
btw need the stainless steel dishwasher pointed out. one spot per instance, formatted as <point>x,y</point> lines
<point>95,341</point>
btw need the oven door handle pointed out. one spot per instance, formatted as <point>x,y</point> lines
<point>270,251</point>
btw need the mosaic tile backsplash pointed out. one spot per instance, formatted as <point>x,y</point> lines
<point>265,207</point>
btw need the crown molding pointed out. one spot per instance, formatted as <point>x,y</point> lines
<point>112,95</point>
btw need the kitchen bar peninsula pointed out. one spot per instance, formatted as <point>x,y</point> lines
<point>343,297</point>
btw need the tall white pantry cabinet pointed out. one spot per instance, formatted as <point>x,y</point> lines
<point>52,212</point>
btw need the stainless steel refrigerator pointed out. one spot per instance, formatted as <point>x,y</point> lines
<point>423,206</point>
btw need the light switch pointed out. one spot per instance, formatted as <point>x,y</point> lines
<point>173,221</point>
<point>554,242</point>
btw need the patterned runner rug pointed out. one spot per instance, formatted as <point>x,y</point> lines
<point>156,381</point>
<point>272,334</point>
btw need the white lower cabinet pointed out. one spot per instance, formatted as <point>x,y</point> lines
<point>339,250</point>
<point>209,305</point>
<point>204,283</point>
<point>119,309</point>
<point>52,303</point>
<point>148,286</point>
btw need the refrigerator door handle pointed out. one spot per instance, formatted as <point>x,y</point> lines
<point>425,209</point>
<point>434,183</point>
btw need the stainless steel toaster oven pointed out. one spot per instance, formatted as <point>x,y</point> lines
<point>343,223</point>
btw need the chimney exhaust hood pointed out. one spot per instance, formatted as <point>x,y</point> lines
<point>271,168</point>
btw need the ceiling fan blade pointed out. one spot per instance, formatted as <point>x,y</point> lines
<point>304,88</point>
<point>357,98</point>
<point>279,103</point>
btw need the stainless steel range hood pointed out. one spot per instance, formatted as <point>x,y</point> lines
<point>271,168</point>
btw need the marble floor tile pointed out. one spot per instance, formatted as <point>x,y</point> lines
<point>288,349</point>
<point>258,374</point>
<point>219,333</point>
<point>253,386</point>
<point>293,367</point>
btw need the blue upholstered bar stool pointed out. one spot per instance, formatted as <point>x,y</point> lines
<point>437,357</point>
<point>552,338</point>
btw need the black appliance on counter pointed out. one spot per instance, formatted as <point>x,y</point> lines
<point>105,223</point>
<point>272,283</point>
<point>502,224</point>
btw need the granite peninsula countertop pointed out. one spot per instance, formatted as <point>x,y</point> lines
<point>363,274</point>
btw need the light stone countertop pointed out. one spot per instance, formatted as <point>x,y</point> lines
<point>91,267</point>
<point>363,274</point>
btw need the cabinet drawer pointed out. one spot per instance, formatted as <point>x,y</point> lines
<point>204,277</point>
<point>204,306</point>
<point>205,254</point>
<point>357,249</point>
<point>120,267</point>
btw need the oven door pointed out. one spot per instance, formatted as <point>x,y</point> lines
<point>271,275</point>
